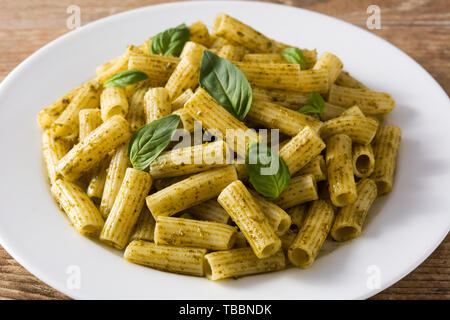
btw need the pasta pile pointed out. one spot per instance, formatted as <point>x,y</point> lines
<point>118,178</point>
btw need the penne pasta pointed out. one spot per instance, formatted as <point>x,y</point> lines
<point>350,219</point>
<point>210,210</point>
<point>166,258</point>
<point>385,148</point>
<point>301,189</point>
<point>363,160</point>
<point>317,167</point>
<point>157,104</point>
<point>274,116</point>
<point>114,177</point>
<point>278,219</point>
<point>360,129</point>
<point>202,107</point>
<point>312,235</point>
<point>250,219</point>
<point>89,152</point>
<point>370,102</point>
<point>190,192</point>
<point>125,212</point>
<point>145,226</point>
<point>341,181</point>
<point>53,150</point>
<point>183,161</point>
<point>80,210</point>
<point>181,232</point>
<point>89,120</point>
<point>301,149</point>
<point>240,262</point>
<point>113,101</point>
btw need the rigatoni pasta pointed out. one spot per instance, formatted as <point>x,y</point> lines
<point>181,232</point>
<point>249,217</point>
<point>173,144</point>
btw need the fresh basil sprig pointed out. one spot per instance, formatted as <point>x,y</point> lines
<point>150,140</point>
<point>268,173</point>
<point>226,83</point>
<point>125,78</point>
<point>294,55</point>
<point>315,107</point>
<point>171,41</point>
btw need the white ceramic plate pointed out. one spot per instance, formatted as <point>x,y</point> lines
<point>403,228</point>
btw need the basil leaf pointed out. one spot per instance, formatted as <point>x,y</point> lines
<point>226,83</point>
<point>150,140</point>
<point>316,106</point>
<point>125,78</point>
<point>270,174</point>
<point>171,41</point>
<point>294,55</point>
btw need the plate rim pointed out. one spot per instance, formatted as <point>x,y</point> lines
<point>42,275</point>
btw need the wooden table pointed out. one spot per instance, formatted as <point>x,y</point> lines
<point>421,28</point>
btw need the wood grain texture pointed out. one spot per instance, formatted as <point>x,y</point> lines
<point>421,28</point>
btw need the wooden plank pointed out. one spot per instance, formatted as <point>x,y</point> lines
<point>421,28</point>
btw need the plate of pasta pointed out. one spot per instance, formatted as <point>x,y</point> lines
<point>222,150</point>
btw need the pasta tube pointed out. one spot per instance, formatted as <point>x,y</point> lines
<point>66,125</point>
<point>341,182</point>
<point>166,258</point>
<point>179,102</point>
<point>301,189</point>
<point>53,150</point>
<point>157,104</point>
<point>232,53</point>
<point>286,98</point>
<point>240,33</point>
<point>199,33</point>
<point>312,235</point>
<point>189,160</point>
<point>264,58</point>
<point>287,239</point>
<point>370,102</point>
<point>331,63</point>
<point>89,120</point>
<point>385,148</point>
<point>50,113</point>
<point>89,152</point>
<point>359,129</point>
<point>113,101</point>
<point>125,212</point>
<point>316,167</point>
<point>285,76</point>
<point>115,174</point>
<point>298,215</point>
<point>136,112</point>
<point>363,160</point>
<point>158,68</point>
<point>181,232</point>
<point>240,241</point>
<point>186,119</point>
<point>210,210</point>
<point>350,219</point>
<point>250,219</point>
<point>190,192</point>
<point>202,107</point>
<point>97,183</point>
<point>274,116</point>
<point>346,80</point>
<point>184,77</point>
<point>240,262</point>
<point>79,208</point>
<point>301,149</point>
<point>145,226</point>
<point>277,217</point>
